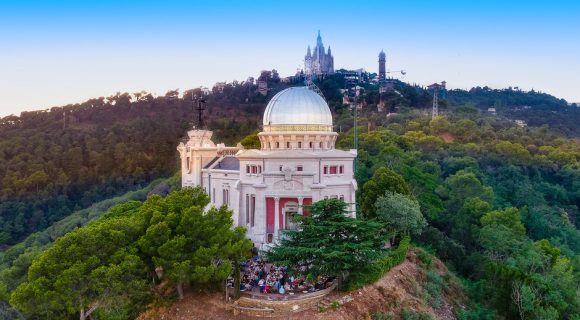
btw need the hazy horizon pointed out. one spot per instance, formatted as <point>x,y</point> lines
<point>63,52</point>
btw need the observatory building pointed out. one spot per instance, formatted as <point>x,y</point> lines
<point>296,165</point>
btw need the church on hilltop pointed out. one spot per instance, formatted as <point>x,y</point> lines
<point>318,62</point>
<point>296,165</point>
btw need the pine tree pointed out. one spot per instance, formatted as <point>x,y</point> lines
<point>328,242</point>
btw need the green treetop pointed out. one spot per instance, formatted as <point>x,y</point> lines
<point>329,241</point>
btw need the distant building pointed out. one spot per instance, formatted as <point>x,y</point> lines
<point>521,123</point>
<point>382,66</point>
<point>491,110</point>
<point>263,87</point>
<point>219,86</point>
<point>205,91</point>
<point>318,62</point>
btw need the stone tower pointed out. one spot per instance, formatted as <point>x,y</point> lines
<point>382,69</point>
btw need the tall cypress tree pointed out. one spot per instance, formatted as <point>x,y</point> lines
<point>328,242</point>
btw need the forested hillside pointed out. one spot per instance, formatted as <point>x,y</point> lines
<point>502,205</point>
<point>57,161</point>
<point>501,201</point>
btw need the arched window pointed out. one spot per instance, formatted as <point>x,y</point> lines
<point>287,145</point>
<point>311,145</point>
<point>277,145</point>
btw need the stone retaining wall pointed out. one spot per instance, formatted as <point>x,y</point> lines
<point>264,307</point>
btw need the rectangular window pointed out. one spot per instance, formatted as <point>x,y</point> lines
<point>299,168</point>
<point>226,197</point>
<point>341,197</point>
<point>287,145</point>
<point>254,169</point>
<point>280,168</point>
<point>299,145</point>
<point>333,170</point>
<point>341,169</point>
<point>253,205</point>
<point>325,170</point>
<point>247,168</point>
<point>259,169</point>
<point>247,208</point>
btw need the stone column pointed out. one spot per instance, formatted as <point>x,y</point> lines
<point>276,216</point>
<point>300,209</point>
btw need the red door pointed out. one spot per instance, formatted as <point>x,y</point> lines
<point>305,203</point>
<point>270,205</point>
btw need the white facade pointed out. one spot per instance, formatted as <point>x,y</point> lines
<point>297,165</point>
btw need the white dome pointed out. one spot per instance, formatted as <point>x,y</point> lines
<point>297,109</point>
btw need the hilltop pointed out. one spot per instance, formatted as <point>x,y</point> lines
<point>421,286</point>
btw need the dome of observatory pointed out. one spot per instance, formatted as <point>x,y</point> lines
<point>297,109</point>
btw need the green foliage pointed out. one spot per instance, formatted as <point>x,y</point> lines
<point>501,202</point>
<point>14,262</point>
<point>105,268</point>
<point>383,180</point>
<point>188,243</point>
<point>383,316</point>
<point>371,272</point>
<point>407,314</point>
<point>56,162</point>
<point>433,288</point>
<point>90,266</point>
<point>399,214</point>
<point>251,142</point>
<point>329,242</point>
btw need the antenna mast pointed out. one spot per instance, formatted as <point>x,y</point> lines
<point>435,111</point>
<point>435,88</point>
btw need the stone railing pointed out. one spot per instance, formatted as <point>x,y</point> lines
<point>273,305</point>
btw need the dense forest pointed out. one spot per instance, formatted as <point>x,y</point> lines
<point>57,161</point>
<point>501,201</point>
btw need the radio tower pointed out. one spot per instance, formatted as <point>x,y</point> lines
<point>435,88</point>
<point>435,111</point>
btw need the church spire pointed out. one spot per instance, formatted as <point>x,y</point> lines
<point>319,41</point>
<point>308,52</point>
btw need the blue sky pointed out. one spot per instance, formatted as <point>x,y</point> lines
<point>58,52</point>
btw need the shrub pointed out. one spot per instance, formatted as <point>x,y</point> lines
<point>415,315</point>
<point>374,271</point>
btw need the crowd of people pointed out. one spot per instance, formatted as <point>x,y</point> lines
<point>261,276</point>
